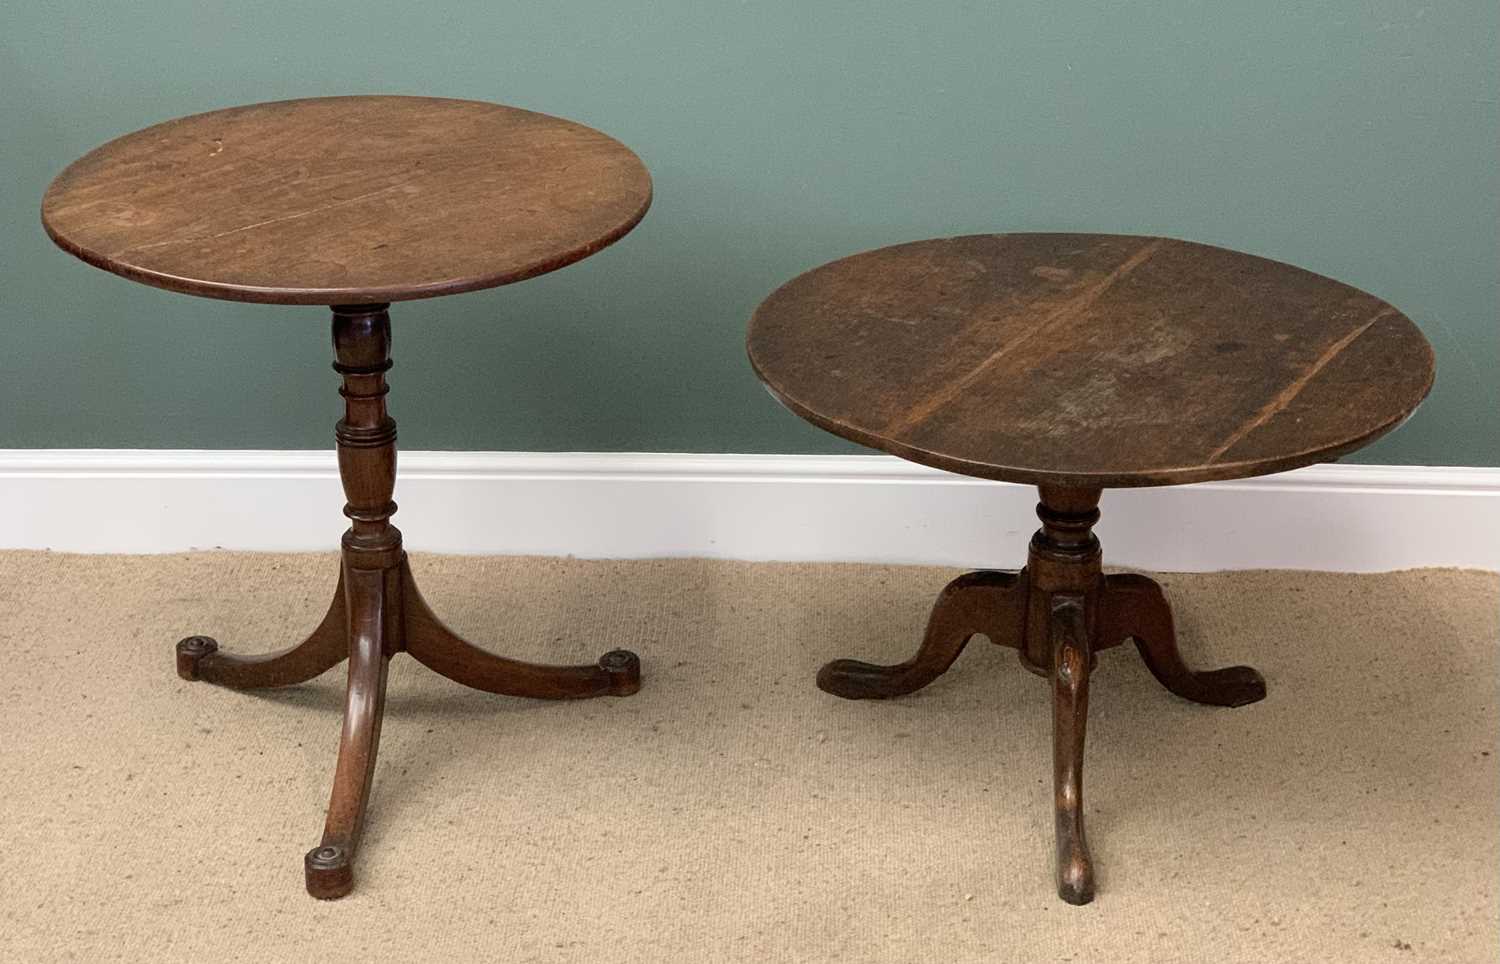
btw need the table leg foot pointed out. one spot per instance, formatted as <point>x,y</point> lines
<point>199,657</point>
<point>1134,606</point>
<point>1070,699</point>
<point>617,673</point>
<point>993,603</point>
<point>329,872</point>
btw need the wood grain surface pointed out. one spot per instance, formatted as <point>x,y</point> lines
<point>347,200</point>
<point>1088,360</point>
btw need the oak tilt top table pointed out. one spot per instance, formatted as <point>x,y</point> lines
<point>356,202</point>
<point>1077,362</point>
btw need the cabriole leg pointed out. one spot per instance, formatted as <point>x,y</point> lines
<point>1135,607</point>
<point>993,603</point>
<point>1070,711</point>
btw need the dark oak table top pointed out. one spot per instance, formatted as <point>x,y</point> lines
<point>347,200</point>
<point>1088,360</point>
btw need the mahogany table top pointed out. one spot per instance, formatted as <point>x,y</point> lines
<point>347,200</point>
<point>1088,360</point>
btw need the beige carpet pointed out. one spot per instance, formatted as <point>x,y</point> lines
<point>731,811</point>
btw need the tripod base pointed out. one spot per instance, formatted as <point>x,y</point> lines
<point>1059,612</point>
<point>374,616</point>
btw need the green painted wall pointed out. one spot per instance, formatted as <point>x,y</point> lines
<point>1355,137</point>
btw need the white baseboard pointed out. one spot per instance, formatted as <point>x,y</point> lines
<point>791,507</point>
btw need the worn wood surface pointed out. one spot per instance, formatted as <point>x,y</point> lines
<point>1059,613</point>
<point>1088,360</point>
<point>346,200</point>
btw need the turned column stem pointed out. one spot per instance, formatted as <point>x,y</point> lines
<point>1068,519</point>
<point>1064,558</point>
<point>366,435</point>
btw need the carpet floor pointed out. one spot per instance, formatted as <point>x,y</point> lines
<point>730,811</point>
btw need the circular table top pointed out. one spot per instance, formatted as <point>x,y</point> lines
<point>347,200</point>
<point>1088,360</point>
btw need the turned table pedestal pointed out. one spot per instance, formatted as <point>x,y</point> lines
<point>356,202</point>
<point>1077,363</point>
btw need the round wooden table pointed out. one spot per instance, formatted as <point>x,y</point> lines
<point>356,202</point>
<point>1077,362</point>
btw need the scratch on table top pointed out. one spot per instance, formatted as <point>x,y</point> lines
<point>260,224</point>
<point>1284,398</point>
<point>1067,312</point>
